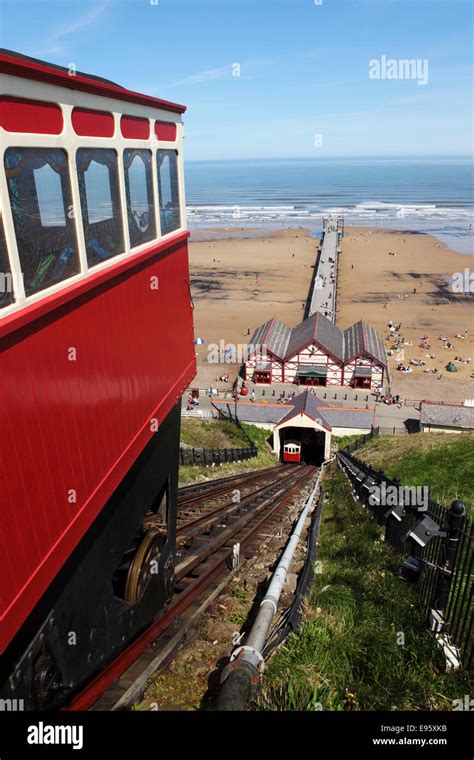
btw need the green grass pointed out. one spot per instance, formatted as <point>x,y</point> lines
<point>345,440</point>
<point>213,434</point>
<point>258,436</point>
<point>442,461</point>
<point>346,656</point>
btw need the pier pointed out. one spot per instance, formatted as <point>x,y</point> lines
<point>323,294</point>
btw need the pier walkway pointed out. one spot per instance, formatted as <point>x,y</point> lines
<point>323,295</point>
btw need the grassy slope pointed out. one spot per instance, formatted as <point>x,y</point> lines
<point>217,434</point>
<point>346,656</point>
<point>443,461</point>
<point>265,458</point>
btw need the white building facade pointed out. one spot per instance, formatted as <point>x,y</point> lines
<point>317,353</point>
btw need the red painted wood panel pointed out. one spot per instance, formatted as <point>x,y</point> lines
<point>165,130</point>
<point>78,426</point>
<point>32,116</point>
<point>88,123</point>
<point>135,127</point>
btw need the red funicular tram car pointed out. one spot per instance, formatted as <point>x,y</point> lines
<point>96,347</point>
<point>292,451</point>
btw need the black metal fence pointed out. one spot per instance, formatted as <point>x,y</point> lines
<point>362,440</point>
<point>216,456</point>
<point>393,431</point>
<point>437,543</point>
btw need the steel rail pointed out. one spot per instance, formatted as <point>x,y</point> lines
<point>229,507</point>
<point>199,490</point>
<point>195,558</point>
<point>90,694</point>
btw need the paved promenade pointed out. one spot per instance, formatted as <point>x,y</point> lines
<point>386,417</point>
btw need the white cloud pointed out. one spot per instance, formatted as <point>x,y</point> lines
<point>56,42</point>
<point>208,75</point>
<point>250,69</point>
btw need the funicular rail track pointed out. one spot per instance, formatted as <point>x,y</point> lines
<point>188,496</point>
<point>196,509</point>
<point>204,557</point>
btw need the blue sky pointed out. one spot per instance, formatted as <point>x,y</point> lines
<point>303,69</point>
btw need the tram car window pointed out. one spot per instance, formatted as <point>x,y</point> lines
<point>139,191</point>
<point>168,190</point>
<point>97,173</point>
<point>40,200</point>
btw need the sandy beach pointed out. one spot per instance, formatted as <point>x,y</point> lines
<point>242,280</point>
<point>239,282</point>
<point>372,285</point>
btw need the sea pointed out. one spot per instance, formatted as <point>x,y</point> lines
<point>432,195</point>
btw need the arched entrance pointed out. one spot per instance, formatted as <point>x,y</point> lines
<point>312,443</point>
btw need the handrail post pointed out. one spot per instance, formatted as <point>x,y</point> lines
<point>455,521</point>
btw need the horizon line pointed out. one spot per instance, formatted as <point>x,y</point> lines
<point>392,156</point>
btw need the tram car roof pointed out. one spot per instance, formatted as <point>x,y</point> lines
<point>19,65</point>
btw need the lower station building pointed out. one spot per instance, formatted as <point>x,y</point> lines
<point>303,426</point>
<point>316,352</point>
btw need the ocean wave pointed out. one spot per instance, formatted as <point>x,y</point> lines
<point>380,205</point>
<point>375,208</point>
<point>452,224</point>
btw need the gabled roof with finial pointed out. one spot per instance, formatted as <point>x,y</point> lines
<point>283,342</point>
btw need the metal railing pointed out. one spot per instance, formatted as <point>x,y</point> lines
<point>437,543</point>
<point>362,440</point>
<point>196,414</point>
<point>204,456</point>
<point>393,431</point>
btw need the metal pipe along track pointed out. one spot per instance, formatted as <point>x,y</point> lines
<point>243,672</point>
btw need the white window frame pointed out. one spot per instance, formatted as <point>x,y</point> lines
<point>154,191</point>
<point>68,140</point>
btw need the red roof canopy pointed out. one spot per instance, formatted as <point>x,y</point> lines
<point>32,68</point>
